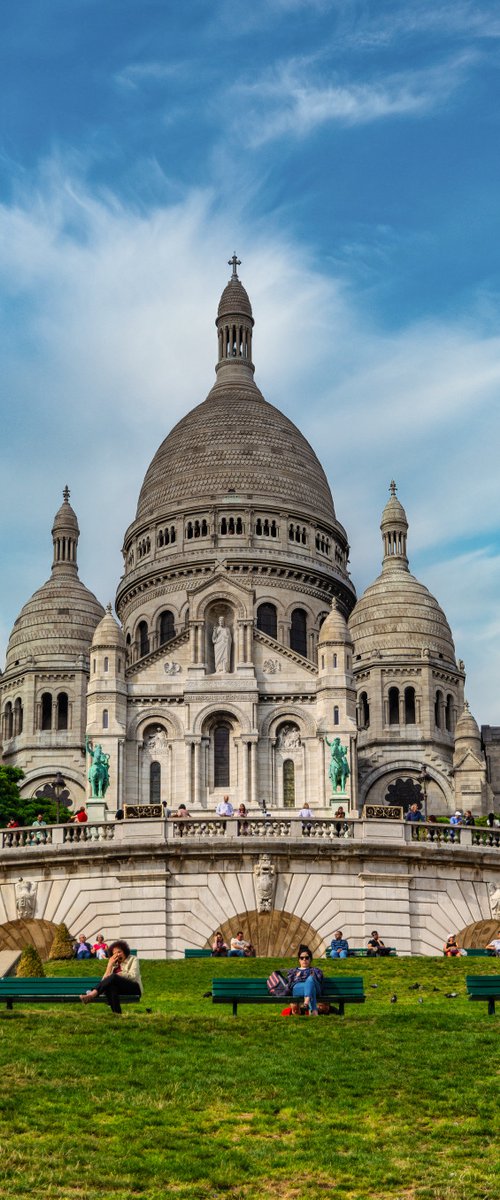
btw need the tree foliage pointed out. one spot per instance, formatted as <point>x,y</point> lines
<point>63,945</point>
<point>30,965</point>
<point>21,808</point>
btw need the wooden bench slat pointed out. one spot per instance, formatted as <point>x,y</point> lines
<point>51,989</point>
<point>485,988</point>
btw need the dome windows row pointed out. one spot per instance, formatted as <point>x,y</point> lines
<point>12,719</point>
<point>403,707</point>
<point>297,629</point>
<point>52,713</point>
<point>228,524</point>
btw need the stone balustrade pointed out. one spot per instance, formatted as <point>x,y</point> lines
<point>200,828</point>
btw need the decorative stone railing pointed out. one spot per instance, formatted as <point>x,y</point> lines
<point>447,835</point>
<point>208,827</point>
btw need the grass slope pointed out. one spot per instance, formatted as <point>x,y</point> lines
<point>392,1102</point>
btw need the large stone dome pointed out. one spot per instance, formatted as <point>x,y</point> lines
<point>236,442</point>
<point>58,622</point>
<point>397,614</point>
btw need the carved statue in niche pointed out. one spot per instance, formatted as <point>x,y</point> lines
<point>495,901</point>
<point>221,638</point>
<point>289,738</point>
<point>157,741</point>
<point>25,898</point>
<point>264,874</point>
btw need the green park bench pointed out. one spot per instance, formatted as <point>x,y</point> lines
<point>362,952</point>
<point>484,987</point>
<point>197,953</point>
<point>52,990</point>
<point>478,953</point>
<point>338,992</point>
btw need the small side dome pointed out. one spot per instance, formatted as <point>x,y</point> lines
<point>108,633</point>
<point>334,628</point>
<point>467,735</point>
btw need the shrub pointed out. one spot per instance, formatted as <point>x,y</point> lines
<point>63,944</point>
<point>30,965</point>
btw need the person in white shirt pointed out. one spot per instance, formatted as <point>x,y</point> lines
<point>306,817</point>
<point>225,808</point>
<point>238,946</point>
<point>495,946</point>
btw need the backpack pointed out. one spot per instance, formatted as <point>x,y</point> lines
<point>277,984</point>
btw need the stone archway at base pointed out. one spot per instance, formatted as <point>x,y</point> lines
<point>15,935</point>
<point>274,935</point>
<point>477,935</point>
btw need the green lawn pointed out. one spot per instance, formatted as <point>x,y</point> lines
<point>392,1102</point>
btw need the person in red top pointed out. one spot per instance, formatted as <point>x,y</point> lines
<point>81,815</point>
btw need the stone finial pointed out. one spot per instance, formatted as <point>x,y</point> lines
<point>66,494</point>
<point>109,609</point>
<point>392,487</point>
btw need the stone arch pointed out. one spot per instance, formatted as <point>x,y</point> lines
<point>222,595</point>
<point>154,716</point>
<point>289,712</point>
<point>406,766</point>
<point>15,935</point>
<point>34,779</point>
<point>274,935</point>
<point>221,708</point>
<point>479,934</point>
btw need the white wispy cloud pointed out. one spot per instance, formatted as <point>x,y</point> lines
<point>291,99</point>
<point>108,338</point>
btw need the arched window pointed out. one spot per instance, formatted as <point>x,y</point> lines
<point>221,756</point>
<point>393,706</point>
<point>298,631</point>
<point>267,619</point>
<point>288,784</point>
<point>105,718</point>
<point>46,711</point>
<point>143,636</point>
<point>258,527</point>
<point>9,720</point>
<point>106,664</point>
<point>438,707</point>
<point>410,711</point>
<point>336,715</point>
<point>62,710</point>
<point>364,711</point>
<point>167,627</point>
<point>335,660</point>
<point>18,717</point>
<point>448,713</point>
<point>155,783</point>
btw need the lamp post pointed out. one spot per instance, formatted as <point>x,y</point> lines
<point>57,792</point>
<point>423,779</point>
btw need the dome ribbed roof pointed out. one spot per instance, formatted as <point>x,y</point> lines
<point>467,731</point>
<point>56,623</point>
<point>108,632</point>
<point>234,298</point>
<point>397,613</point>
<point>236,440</point>
<point>334,628</point>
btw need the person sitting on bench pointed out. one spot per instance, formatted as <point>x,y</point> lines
<point>376,946</point>
<point>305,982</point>
<point>122,977</point>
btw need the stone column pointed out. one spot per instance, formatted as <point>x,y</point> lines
<point>197,757</point>
<point>244,754</point>
<point>253,774</point>
<point>189,755</point>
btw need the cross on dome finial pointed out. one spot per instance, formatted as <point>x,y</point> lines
<point>466,706</point>
<point>392,488</point>
<point>234,262</point>
<point>66,494</point>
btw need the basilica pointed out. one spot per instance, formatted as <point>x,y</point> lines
<point>240,656</point>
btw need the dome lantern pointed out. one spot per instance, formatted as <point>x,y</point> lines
<point>234,326</point>
<point>65,534</point>
<point>394,527</point>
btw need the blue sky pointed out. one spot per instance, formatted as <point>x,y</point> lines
<point>349,152</point>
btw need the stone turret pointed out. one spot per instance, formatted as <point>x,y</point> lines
<point>107,701</point>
